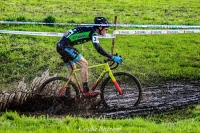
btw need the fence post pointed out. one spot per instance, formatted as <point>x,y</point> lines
<point>113,39</point>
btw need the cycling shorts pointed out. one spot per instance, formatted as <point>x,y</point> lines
<point>69,54</point>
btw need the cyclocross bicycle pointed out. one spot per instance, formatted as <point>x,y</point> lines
<point>119,89</point>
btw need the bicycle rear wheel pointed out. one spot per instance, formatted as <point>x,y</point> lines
<point>54,85</point>
<point>131,88</point>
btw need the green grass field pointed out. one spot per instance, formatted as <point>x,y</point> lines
<point>151,58</point>
<point>183,121</point>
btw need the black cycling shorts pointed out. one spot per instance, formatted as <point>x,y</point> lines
<point>69,54</point>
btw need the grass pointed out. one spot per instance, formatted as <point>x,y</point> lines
<point>150,12</point>
<point>13,122</point>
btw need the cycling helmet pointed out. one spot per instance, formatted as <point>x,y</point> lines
<point>101,20</point>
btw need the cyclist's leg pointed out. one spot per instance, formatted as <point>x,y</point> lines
<point>68,87</point>
<point>76,57</point>
<point>84,76</point>
<point>70,69</point>
<point>84,73</point>
<point>69,56</point>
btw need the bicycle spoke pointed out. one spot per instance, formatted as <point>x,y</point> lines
<point>131,91</point>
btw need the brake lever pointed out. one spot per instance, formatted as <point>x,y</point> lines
<point>111,63</point>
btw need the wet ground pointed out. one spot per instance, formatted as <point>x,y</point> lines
<point>156,99</point>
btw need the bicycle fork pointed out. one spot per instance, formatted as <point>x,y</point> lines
<point>115,83</point>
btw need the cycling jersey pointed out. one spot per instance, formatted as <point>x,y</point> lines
<point>82,35</point>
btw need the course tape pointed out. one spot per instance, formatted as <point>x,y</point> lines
<point>121,32</point>
<point>46,33</point>
<point>112,25</point>
<point>140,32</point>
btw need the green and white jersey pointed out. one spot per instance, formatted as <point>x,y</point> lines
<point>81,35</point>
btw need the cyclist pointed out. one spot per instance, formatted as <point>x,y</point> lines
<point>71,56</point>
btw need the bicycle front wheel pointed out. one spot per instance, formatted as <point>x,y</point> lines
<point>131,88</point>
<point>54,86</point>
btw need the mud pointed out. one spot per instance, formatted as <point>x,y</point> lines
<point>161,98</point>
<point>156,99</point>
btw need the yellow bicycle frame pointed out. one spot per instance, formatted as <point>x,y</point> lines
<point>106,70</point>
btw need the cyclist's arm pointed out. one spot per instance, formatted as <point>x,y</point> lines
<point>98,47</point>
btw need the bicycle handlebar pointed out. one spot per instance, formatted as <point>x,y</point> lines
<point>112,64</point>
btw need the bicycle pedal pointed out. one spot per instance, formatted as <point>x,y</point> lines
<point>90,94</point>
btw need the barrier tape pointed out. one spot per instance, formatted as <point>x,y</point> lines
<point>46,33</point>
<point>112,25</point>
<point>140,32</point>
<point>121,32</point>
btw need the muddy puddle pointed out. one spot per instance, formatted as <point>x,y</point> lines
<point>156,99</point>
